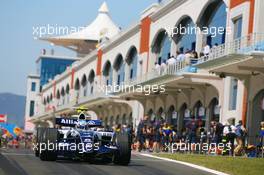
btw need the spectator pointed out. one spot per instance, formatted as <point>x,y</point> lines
<point>229,135</point>
<point>188,56</point>
<point>206,50</point>
<point>183,135</point>
<point>148,133</point>
<point>157,137</point>
<point>201,54</point>
<point>157,68</point>
<point>174,135</point>
<point>168,56</point>
<point>240,136</point>
<point>166,135</point>
<point>140,136</point>
<point>261,129</point>
<point>217,131</point>
<point>191,131</point>
<point>261,134</point>
<point>163,67</point>
<point>195,54</point>
<point>171,61</point>
<point>180,56</point>
<point>215,45</point>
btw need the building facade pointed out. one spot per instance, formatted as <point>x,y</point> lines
<point>225,84</point>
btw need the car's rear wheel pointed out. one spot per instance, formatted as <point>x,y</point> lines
<point>48,144</point>
<point>123,155</point>
<point>38,140</point>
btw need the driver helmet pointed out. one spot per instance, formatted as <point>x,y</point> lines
<point>82,121</point>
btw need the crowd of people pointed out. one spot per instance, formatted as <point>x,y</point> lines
<point>16,142</point>
<point>155,136</point>
<point>188,57</point>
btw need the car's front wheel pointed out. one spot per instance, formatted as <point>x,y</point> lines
<point>123,155</point>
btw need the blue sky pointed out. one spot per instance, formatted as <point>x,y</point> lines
<point>18,49</point>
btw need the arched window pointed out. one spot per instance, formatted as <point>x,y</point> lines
<point>165,48</point>
<point>183,117</point>
<point>58,94</point>
<point>68,93</point>
<point>58,97</point>
<point>151,115</point>
<point>132,61</point>
<point>119,67</point>
<point>214,17</point>
<point>63,95</point>
<point>214,110</point>
<point>111,122</point>
<point>106,121</point>
<point>108,73</point>
<point>84,85</point>
<point>160,116</point>
<point>62,92</point>
<point>169,118</point>
<point>51,97</point>
<point>124,119</point>
<point>186,35</point>
<point>77,85</point>
<point>162,46</point>
<point>130,119</point>
<point>117,120</point>
<point>199,112</point>
<point>48,100</point>
<point>91,81</point>
<point>77,90</point>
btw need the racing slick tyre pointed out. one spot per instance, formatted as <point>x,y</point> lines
<point>123,155</point>
<point>48,147</point>
<point>38,140</point>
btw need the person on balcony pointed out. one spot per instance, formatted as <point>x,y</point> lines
<point>206,51</point>
<point>157,68</point>
<point>188,56</point>
<point>180,56</point>
<point>163,67</point>
<point>194,58</point>
<point>171,60</point>
<point>195,54</point>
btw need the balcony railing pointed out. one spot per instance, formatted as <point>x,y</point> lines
<point>156,73</point>
<point>243,45</point>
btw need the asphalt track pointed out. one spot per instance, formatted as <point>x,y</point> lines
<point>23,162</point>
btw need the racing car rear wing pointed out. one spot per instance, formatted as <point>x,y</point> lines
<point>73,122</point>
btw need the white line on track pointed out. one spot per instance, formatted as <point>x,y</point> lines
<point>186,164</point>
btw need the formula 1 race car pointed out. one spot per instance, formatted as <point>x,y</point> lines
<point>81,139</point>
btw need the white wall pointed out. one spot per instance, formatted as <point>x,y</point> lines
<point>32,96</point>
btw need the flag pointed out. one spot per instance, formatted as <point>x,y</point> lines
<point>3,118</point>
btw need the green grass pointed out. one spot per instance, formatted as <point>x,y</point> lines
<point>230,165</point>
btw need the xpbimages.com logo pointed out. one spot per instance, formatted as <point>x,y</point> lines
<point>202,147</point>
<point>50,30</point>
<point>124,88</point>
<point>213,31</point>
<point>80,147</point>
